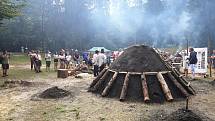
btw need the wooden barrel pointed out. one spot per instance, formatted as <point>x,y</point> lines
<point>62,73</point>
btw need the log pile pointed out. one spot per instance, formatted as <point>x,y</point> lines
<point>160,84</point>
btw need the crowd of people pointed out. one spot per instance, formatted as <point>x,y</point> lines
<point>98,60</point>
<point>65,59</point>
<point>62,60</point>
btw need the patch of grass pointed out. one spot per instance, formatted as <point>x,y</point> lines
<point>27,74</point>
<point>22,59</point>
<point>19,59</point>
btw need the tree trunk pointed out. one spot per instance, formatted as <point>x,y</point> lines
<point>107,88</point>
<point>164,87</point>
<point>145,88</point>
<point>125,87</point>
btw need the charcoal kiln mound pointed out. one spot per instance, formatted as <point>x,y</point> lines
<point>54,93</point>
<point>139,59</point>
<point>140,74</point>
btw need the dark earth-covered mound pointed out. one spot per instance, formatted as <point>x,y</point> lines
<point>54,93</point>
<point>118,82</point>
<point>183,115</point>
<point>139,59</point>
<point>179,115</point>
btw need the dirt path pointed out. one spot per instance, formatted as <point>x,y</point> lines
<point>19,103</point>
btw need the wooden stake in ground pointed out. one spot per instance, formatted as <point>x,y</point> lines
<point>107,88</point>
<point>187,103</point>
<point>125,87</point>
<point>164,86</point>
<point>145,88</point>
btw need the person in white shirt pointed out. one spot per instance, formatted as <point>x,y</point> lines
<point>48,60</point>
<point>56,59</point>
<point>68,60</point>
<point>95,64</point>
<point>38,61</point>
<point>62,58</point>
<point>101,60</point>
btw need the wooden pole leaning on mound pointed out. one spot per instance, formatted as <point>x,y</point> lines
<point>100,81</point>
<point>98,77</point>
<point>124,87</point>
<point>145,88</point>
<point>164,86</point>
<point>110,83</point>
<point>180,78</point>
<point>183,81</point>
<point>177,84</point>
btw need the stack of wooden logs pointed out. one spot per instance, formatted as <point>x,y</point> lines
<point>173,75</point>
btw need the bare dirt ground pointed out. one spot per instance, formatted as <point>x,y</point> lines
<point>20,103</point>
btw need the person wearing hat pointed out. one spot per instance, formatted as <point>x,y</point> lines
<point>48,59</point>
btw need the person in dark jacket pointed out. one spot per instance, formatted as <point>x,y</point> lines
<point>5,63</point>
<point>193,61</point>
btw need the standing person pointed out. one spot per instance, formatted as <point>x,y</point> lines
<point>48,59</point>
<point>68,60</point>
<point>5,63</point>
<point>56,58</point>
<point>38,62</point>
<point>76,58</point>
<point>31,59</point>
<point>213,59</point>
<point>85,57</point>
<point>101,60</point>
<point>109,58</point>
<point>62,60</point>
<point>192,61</point>
<point>95,64</point>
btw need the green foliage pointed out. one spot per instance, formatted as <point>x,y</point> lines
<point>9,9</point>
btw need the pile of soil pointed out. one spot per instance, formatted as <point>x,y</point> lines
<point>139,59</point>
<point>183,115</point>
<point>54,93</point>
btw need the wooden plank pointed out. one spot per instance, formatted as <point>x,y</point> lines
<point>125,87</point>
<point>112,71</point>
<point>164,87</point>
<point>110,83</point>
<point>145,88</point>
<point>101,80</point>
<point>135,73</point>
<point>177,84</point>
<point>183,81</point>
